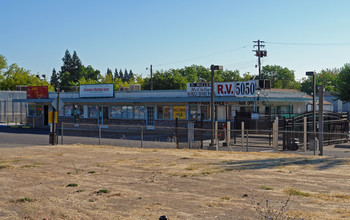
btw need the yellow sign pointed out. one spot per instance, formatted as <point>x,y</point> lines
<point>179,112</point>
<point>50,117</point>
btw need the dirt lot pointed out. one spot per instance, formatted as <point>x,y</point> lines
<point>102,182</point>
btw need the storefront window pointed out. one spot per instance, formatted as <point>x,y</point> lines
<point>116,112</point>
<point>160,112</point>
<point>68,110</point>
<point>163,112</point>
<point>166,110</point>
<point>39,110</point>
<point>93,111</point>
<point>205,112</point>
<point>139,112</point>
<point>193,112</point>
<point>179,112</point>
<point>32,110</point>
<point>130,112</point>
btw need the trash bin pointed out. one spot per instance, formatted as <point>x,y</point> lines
<point>293,144</point>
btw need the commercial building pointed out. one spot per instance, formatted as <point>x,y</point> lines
<point>100,104</point>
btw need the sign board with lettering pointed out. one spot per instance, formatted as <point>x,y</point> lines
<point>37,92</point>
<point>96,91</point>
<point>239,89</point>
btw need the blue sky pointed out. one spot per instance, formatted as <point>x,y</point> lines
<point>301,35</point>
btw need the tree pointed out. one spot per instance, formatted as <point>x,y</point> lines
<point>342,88</point>
<point>116,75</point>
<point>76,65</point>
<point>164,80</point>
<point>326,77</point>
<point>131,76</point>
<point>54,81</point>
<point>15,75</point>
<point>126,76</point>
<point>121,76</point>
<point>89,73</point>
<point>280,77</point>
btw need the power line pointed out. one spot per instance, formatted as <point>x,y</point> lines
<point>310,44</point>
<point>196,58</point>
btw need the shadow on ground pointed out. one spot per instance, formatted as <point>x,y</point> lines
<point>320,163</point>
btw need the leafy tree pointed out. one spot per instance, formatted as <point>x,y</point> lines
<point>15,75</point>
<point>342,88</point>
<point>54,81</point>
<point>3,63</point>
<point>280,77</point>
<point>165,80</point>
<point>66,81</point>
<point>326,77</point>
<point>89,73</point>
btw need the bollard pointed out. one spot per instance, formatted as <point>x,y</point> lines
<point>228,134</point>
<point>16,121</point>
<point>7,118</point>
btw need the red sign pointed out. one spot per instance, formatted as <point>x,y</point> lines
<point>37,92</point>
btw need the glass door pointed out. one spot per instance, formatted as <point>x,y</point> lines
<point>150,117</point>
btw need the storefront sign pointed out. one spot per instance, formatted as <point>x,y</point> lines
<point>239,89</point>
<point>96,91</point>
<point>37,92</point>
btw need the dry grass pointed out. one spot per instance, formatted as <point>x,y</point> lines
<point>122,183</point>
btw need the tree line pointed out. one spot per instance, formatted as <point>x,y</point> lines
<point>73,73</point>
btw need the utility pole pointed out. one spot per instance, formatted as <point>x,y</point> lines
<point>259,53</point>
<point>151,78</point>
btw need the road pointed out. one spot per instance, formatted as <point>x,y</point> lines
<point>22,137</point>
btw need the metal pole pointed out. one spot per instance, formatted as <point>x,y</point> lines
<point>62,133</point>
<point>314,109</point>
<point>216,136</point>
<point>320,121</point>
<point>176,133</point>
<point>305,133</point>
<point>242,134</point>
<point>212,106</point>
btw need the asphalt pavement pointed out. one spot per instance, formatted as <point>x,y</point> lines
<point>18,136</point>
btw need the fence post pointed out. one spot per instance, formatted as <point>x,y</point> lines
<point>202,115</point>
<point>190,134</point>
<point>141,136</point>
<point>275,145</point>
<point>228,134</point>
<point>62,133</point>
<point>216,136</point>
<point>305,134</point>
<point>99,134</point>
<point>176,133</point>
<point>247,141</point>
<point>242,134</point>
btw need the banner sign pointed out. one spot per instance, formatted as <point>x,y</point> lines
<point>37,92</point>
<point>239,89</point>
<point>96,91</point>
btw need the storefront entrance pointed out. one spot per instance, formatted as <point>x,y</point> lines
<point>150,117</point>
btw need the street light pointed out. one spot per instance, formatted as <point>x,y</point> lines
<point>212,105</point>
<point>313,74</point>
